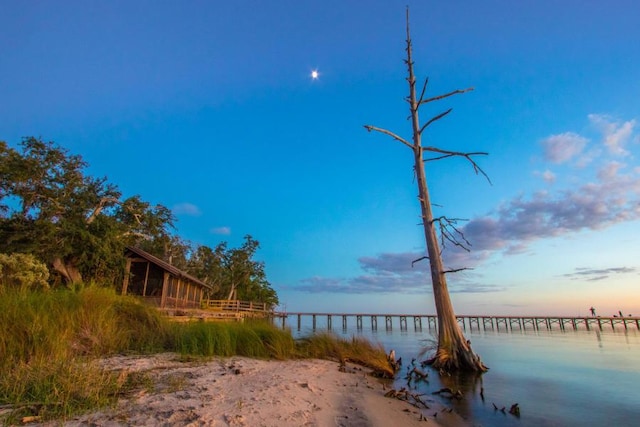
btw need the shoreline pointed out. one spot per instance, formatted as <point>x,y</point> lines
<point>239,391</point>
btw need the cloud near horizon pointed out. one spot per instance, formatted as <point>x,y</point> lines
<point>391,273</point>
<point>593,274</point>
<point>611,195</point>
<point>386,273</point>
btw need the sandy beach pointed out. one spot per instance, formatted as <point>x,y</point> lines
<point>240,391</point>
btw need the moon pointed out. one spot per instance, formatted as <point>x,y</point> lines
<point>315,75</point>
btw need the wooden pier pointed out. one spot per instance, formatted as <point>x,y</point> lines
<point>478,322</point>
<point>221,310</point>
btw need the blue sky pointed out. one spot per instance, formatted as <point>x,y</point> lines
<point>209,108</point>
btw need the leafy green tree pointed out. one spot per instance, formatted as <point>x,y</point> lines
<point>170,248</point>
<point>208,265</point>
<point>76,223</point>
<point>246,277</point>
<point>79,225</point>
<point>232,272</point>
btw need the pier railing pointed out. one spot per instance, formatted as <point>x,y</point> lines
<point>237,306</point>
<point>484,322</point>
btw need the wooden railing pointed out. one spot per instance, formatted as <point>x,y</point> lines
<point>236,306</point>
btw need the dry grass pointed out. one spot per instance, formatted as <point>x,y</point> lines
<point>357,350</point>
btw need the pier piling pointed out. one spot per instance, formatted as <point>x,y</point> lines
<point>494,323</point>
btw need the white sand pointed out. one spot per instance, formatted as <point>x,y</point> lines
<point>247,392</point>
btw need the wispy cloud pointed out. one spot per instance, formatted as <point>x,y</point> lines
<point>224,231</point>
<point>389,273</point>
<point>609,170</point>
<point>386,273</point>
<point>563,147</point>
<point>390,263</point>
<point>610,196</point>
<point>186,209</point>
<point>547,176</point>
<point>594,274</point>
<point>615,198</point>
<point>616,134</point>
<point>475,288</point>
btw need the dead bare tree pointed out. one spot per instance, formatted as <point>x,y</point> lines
<point>454,352</point>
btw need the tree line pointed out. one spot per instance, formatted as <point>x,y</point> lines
<point>79,225</point>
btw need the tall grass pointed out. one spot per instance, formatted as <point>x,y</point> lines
<point>50,340</point>
<point>357,350</point>
<point>252,339</point>
<point>56,388</point>
<point>63,324</point>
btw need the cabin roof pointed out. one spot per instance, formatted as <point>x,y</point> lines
<point>167,267</point>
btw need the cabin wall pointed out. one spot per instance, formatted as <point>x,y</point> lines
<point>147,280</point>
<point>182,294</point>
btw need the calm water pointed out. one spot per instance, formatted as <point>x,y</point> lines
<point>558,378</point>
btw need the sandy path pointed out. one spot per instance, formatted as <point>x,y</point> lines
<point>247,392</point>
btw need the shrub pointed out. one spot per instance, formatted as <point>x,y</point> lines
<point>22,271</point>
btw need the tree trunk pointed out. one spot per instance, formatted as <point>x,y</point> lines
<point>67,270</point>
<point>454,351</point>
<point>232,292</point>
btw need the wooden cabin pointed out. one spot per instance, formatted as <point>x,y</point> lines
<point>160,283</point>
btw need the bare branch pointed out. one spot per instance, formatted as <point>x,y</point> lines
<point>100,207</point>
<point>424,89</point>
<point>446,153</point>
<point>437,158</point>
<point>433,119</point>
<point>137,217</point>
<point>450,233</point>
<point>455,270</point>
<point>391,134</point>
<point>446,95</point>
<point>418,260</point>
<point>452,220</point>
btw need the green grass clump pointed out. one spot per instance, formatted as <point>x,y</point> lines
<point>62,324</point>
<point>250,339</point>
<point>357,350</point>
<point>278,343</point>
<point>142,328</point>
<point>202,339</point>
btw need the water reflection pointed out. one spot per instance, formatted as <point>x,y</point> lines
<point>469,384</point>
<point>558,378</point>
